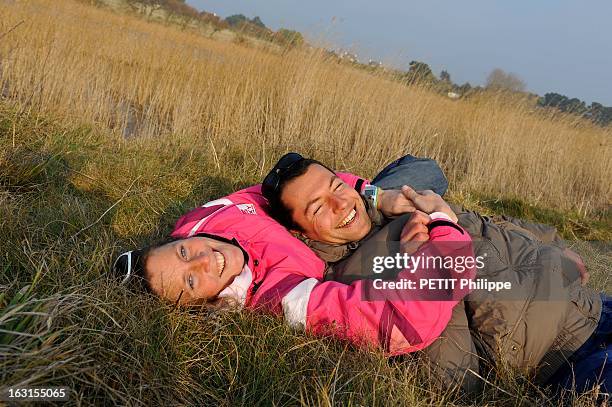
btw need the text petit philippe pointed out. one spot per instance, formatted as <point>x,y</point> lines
<point>412,263</point>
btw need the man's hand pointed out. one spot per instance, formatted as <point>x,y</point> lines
<point>393,202</point>
<point>415,232</point>
<point>428,202</point>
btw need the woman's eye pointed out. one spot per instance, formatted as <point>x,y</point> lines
<point>338,187</point>
<point>190,280</point>
<point>183,252</point>
<point>316,210</point>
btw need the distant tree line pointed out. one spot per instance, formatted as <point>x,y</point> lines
<point>184,13</point>
<point>256,28</point>
<point>176,8</point>
<point>420,73</point>
<point>596,112</point>
<point>500,81</point>
<point>417,73</point>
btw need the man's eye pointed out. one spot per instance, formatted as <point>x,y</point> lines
<point>338,186</point>
<point>183,252</point>
<point>190,280</point>
<point>317,210</point>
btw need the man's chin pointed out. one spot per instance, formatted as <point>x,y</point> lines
<point>361,235</point>
<point>354,235</point>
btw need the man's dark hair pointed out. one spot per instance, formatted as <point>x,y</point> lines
<point>278,209</point>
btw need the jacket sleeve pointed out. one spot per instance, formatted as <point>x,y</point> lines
<point>391,320</point>
<point>545,233</point>
<point>474,223</point>
<point>453,358</point>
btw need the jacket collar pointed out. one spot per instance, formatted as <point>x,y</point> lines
<point>238,289</point>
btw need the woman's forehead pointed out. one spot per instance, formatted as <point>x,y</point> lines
<point>163,267</point>
<point>165,251</point>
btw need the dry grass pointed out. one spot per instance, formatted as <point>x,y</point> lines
<point>111,127</point>
<point>134,78</point>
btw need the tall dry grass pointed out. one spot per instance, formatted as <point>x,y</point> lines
<point>116,72</point>
<point>111,127</point>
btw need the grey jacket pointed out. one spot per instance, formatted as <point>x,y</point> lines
<point>534,327</point>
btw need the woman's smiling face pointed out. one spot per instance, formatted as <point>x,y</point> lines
<point>195,269</point>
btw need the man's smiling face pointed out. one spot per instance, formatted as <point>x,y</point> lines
<point>325,207</point>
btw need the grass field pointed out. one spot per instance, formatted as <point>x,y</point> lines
<point>111,127</point>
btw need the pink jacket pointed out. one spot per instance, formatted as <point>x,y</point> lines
<point>284,277</point>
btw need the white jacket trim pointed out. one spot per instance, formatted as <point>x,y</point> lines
<point>222,201</point>
<point>238,289</point>
<point>295,303</point>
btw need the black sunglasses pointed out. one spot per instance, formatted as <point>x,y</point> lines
<point>128,265</point>
<point>271,182</point>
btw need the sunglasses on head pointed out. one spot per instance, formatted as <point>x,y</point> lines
<point>271,182</point>
<point>126,265</point>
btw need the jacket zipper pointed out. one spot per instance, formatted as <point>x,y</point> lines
<point>255,287</point>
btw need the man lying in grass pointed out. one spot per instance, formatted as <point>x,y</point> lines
<point>230,251</point>
<point>548,324</point>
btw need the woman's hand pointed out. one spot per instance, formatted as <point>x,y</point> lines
<point>428,202</point>
<point>415,232</point>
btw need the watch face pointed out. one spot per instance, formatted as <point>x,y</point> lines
<point>370,194</point>
<point>370,190</point>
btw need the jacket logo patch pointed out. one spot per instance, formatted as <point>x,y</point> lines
<point>248,209</point>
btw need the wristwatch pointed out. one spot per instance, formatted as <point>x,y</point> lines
<point>370,193</point>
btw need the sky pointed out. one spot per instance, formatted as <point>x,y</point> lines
<point>562,46</point>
